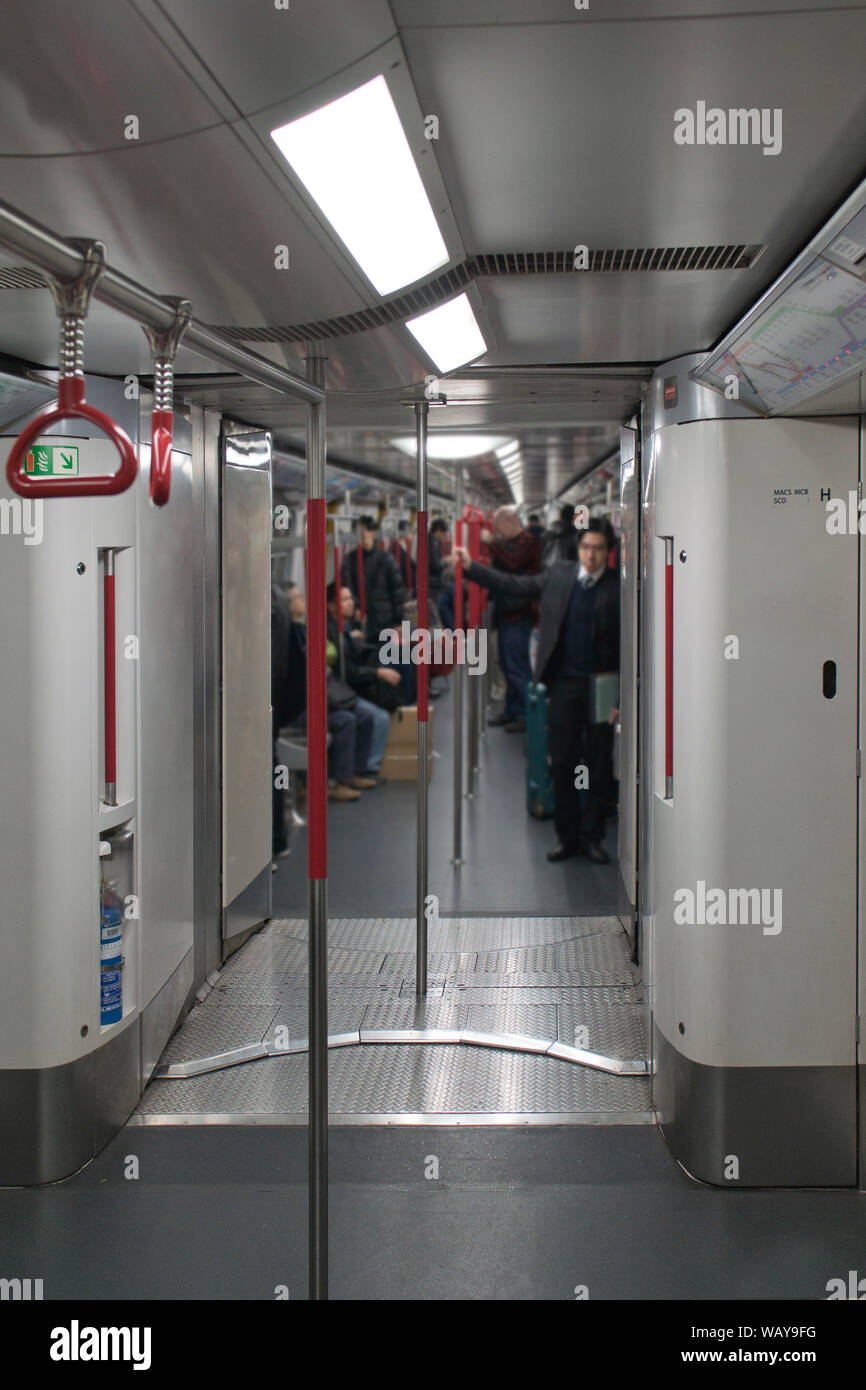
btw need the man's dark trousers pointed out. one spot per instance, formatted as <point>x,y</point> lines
<point>514,660</point>
<point>571,741</point>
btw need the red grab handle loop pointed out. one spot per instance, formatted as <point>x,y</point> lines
<point>161,425</point>
<point>71,405</point>
<point>163,347</point>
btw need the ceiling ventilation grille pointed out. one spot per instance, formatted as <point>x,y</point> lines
<point>21,277</point>
<point>507,264</point>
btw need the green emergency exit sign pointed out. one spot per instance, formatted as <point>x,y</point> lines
<point>53,460</point>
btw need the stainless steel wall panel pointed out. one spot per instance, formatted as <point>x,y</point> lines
<point>207,672</point>
<point>246,667</point>
<point>764,780</point>
<point>167,539</point>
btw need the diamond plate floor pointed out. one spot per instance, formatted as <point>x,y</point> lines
<point>550,978</point>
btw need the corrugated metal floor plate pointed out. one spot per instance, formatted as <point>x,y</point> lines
<point>527,980</point>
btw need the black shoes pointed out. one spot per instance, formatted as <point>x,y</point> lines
<point>564,852</point>
<point>515,726</point>
<point>496,720</point>
<point>591,848</point>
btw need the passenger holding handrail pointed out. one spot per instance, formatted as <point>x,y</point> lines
<point>579,638</point>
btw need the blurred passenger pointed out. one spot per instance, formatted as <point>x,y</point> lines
<point>514,551</point>
<point>376,686</point>
<point>579,637</point>
<point>438,533</point>
<point>560,542</point>
<point>534,526</point>
<point>351,729</point>
<point>384,594</point>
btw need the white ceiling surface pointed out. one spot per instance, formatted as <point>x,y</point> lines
<point>556,128</point>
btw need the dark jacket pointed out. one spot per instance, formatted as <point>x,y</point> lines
<point>296,682</point>
<point>384,594</point>
<point>281,622</point>
<point>559,543</point>
<point>360,674</point>
<point>434,568</point>
<point>554,587</point>
<point>521,555</point>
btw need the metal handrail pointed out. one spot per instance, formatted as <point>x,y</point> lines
<point>55,256</point>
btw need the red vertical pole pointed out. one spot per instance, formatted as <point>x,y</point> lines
<point>474,589</point>
<point>110,694</point>
<point>669,666</point>
<point>317,711</point>
<point>421,572</point>
<point>338,588</point>
<point>458,580</point>
<point>362,601</point>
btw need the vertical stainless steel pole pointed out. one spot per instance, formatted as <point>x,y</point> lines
<point>471,739</point>
<point>482,686</point>
<point>423,624</point>
<point>317,762</point>
<point>459,687</point>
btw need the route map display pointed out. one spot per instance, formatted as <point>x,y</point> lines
<point>812,336</point>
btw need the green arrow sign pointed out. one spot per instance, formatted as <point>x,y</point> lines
<point>53,460</point>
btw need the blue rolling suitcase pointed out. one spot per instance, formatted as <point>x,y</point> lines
<point>539,783</point>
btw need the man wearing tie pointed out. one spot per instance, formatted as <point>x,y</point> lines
<point>578,637</point>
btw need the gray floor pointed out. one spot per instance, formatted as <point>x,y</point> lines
<point>220,1213</point>
<point>505,871</point>
<point>517,1211</point>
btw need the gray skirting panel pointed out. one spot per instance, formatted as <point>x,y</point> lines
<point>785,1126</point>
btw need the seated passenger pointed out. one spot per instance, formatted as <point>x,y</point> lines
<point>351,729</point>
<point>376,686</point>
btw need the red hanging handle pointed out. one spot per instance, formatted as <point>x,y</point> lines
<point>161,427</point>
<point>163,346</point>
<point>71,300</point>
<point>71,405</point>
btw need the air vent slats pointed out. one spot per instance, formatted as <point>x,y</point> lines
<point>484,265</point>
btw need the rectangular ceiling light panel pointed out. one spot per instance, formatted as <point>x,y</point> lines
<point>449,335</point>
<point>354,159</point>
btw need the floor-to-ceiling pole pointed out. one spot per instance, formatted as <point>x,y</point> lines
<point>317,840</point>
<point>459,677</point>
<point>423,624</point>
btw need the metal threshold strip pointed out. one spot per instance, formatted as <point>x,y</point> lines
<point>466,1037</point>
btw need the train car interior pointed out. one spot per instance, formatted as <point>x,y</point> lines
<point>430,826</point>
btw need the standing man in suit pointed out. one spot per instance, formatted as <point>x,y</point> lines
<point>579,636</point>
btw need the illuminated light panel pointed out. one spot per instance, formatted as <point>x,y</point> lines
<point>452,446</point>
<point>354,159</point>
<point>449,335</point>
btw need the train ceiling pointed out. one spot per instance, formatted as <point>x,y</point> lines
<point>555,130</point>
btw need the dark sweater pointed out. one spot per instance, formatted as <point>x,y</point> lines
<point>573,654</point>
